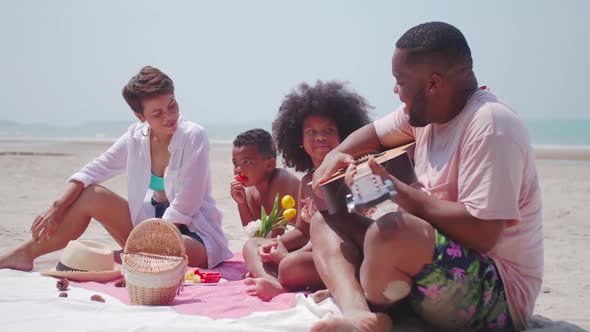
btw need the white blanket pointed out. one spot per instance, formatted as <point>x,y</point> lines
<point>30,302</point>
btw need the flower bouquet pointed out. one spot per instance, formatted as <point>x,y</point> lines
<point>277,219</point>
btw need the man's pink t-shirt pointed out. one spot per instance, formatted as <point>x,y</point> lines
<point>483,159</point>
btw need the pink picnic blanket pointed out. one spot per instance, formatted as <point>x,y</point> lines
<point>224,300</point>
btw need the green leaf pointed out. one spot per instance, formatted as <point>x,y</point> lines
<point>262,214</point>
<point>275,208</point>
<point>282,222</point>
<point>263,221</point>
<point>473,267</point>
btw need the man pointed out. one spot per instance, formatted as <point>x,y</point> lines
<point>467,252</point>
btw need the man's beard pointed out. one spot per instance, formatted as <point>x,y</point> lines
<point>418,109</point>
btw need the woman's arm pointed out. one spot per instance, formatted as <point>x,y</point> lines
<point>48,222</point>
<point>193,182</point>
<point>109,164</point>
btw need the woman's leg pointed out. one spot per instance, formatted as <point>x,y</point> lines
<point>196,252</point>
<point>97,202</point>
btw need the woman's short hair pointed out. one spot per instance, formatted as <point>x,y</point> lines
<point>148,82</point>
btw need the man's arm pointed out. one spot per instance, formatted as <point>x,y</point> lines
<point>491,170</point>
<point>361,141</point>
<point>451,218</point>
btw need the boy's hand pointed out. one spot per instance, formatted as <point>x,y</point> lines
<point>238,192</point>
<point>278,251</point>
<point>264,251</point>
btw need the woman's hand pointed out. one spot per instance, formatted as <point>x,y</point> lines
<point>238,192</point>
<point>47,223</point>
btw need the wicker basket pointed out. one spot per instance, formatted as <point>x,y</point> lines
<point>154,262</point>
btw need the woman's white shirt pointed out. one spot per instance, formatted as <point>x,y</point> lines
<point>187,182</point>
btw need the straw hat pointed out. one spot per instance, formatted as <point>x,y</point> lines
<point>85,260</point>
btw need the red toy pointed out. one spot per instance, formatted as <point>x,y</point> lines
<point>208,277</point>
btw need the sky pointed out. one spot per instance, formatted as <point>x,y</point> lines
<point>65,62</point>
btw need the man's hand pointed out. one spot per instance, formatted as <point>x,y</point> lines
<point>451,218</point>
<point>379,170</point>
<point>333,161</point>
<point>238,192</point>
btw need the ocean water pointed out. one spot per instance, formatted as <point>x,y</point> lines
<point>565,133</point>
<point>108,131</point>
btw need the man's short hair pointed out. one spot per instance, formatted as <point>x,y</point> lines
<point>437,42</point>
<point>149,82</point>
<point>260,138</point>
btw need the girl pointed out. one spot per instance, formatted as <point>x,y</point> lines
<point>312,121</point>
<point>167,163</point>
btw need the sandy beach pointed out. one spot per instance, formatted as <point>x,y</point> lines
<point>34,172</point>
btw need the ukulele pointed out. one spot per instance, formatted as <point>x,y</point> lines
<point>368,189</point>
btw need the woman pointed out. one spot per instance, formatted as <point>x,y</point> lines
<point>167,164</point>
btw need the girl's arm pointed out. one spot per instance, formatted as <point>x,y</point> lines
<point>299,236</point>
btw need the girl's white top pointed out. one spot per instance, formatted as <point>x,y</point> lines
<point>187,182</point>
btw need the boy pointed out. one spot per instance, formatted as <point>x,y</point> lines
<point>257,179</point>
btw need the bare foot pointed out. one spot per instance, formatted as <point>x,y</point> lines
<point>16,260</point>
<point>355,322</point>
<point>263,288</point>
<point>320,295</point>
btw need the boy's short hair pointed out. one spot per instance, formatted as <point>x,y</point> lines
<point>260,138</point>
<point>148,82</point>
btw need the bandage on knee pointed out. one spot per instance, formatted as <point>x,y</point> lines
<point>396,290</point>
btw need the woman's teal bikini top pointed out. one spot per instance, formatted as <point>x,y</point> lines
<point>156,183</point>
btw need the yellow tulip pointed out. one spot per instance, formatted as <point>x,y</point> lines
<point>289,214</point>
<point>287,202</point>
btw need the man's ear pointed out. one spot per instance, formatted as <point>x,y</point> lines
<point>139,116</point>
<point>435,82</point>
<point>271,163</point>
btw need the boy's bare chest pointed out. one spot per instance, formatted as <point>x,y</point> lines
<point>258,200</point>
